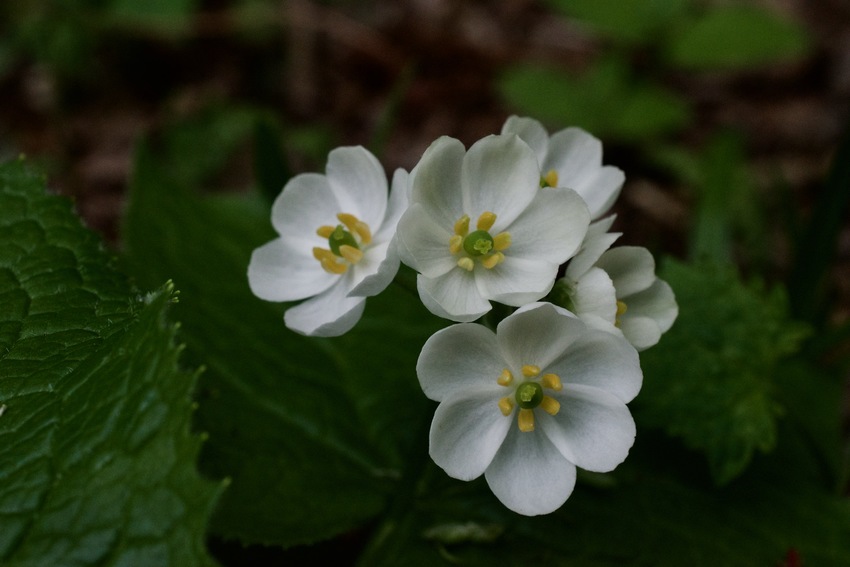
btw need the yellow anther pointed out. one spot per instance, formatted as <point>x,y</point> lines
<point>506,406</point>
<point>350,253</point>
<point>501,241</point>
<point>356,226</point>
<point>505,377</point>
<point>462,225</point>
<point>325,231</point>
<point>486,220</point>
<point>322,253</point>
<point>493,260</point>
<point>466,263</point>
<point>525,420</point>
<point>550,179</point>
<point>530,370</point>
<point>621,307</point>
<point>551,381</point>
<point>455,243</point>
<point>333,267</point>
<point>550,405</point>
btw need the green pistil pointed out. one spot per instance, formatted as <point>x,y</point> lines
<point>478,243</point>
<point>340,237</point>
<point>529,395</point>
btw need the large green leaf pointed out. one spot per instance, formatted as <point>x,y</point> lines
<point>711,379</point>
<point>97,465</point>
<point>312,432</point>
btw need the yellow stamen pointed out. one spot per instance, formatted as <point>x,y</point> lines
<point>550,179</point>
<point>506,406</point>
<point>505,377</point>
<point>486,220</point>
<point>356,226</point>
<point>350,253</point>
<point>325,231</point>
<point>493,260</point>
<point>466,263</point>
<point>322,253</point>
<point>333,267</point>
<point>462,225</point>
<point>551,381</point>
<point>525,420</point>
<point>501,241</point>
<point>455,243</point>
<point>550,405</point>
<point>530,371</point>
<point>621,307</point>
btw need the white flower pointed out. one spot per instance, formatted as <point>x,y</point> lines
<point>527,405</point>
<point>619,292</point>
<point>480,228</point>
<point>646,305</point>
<point>336,243</point>
<point>571,158</point>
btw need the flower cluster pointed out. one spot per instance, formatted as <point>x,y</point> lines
<point>544,392</point>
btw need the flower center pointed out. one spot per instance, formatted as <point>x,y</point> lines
<point>345,243</point>
<point>529,394</point>
<point>479,244</point>
<point>550,179</point>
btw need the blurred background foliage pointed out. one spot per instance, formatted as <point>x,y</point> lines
<point>729,119</point>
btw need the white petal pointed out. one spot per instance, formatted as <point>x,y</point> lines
<point>277,272</point>
<point>529,475</point>
<point>593,429</point>
<point>459,358</point>
<point>500,175</point>
<point>658,302</point>
<point>601,189</point>
<point>396,206</point>
<point>597,241</point>
<point>574,155</point>
<point>632,269</point>
<point>375,271</point>
<point>577,158</point>
<point>516,281</point>
<point>601,360</point>
<point>305,204</point>
<point>453,296</point>
<point>359,183</point>
<point>552,228</point>
<point>329,314</point>
<point>436,182</point>
<point>466,433</point>
<point>642,332</point>
<point>531,132</point>
<point>537,334</point>
<point>424,243</point>
<point>595,293</point>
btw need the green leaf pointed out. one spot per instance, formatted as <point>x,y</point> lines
<point>737,36</point>
<point>711,380</point>
<point>605,100</point>
<point>630,21</point>
<point>96,461</point>
<point>312,432</point>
